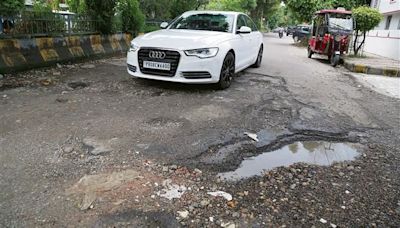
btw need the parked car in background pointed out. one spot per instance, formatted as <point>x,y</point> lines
<point>199,47</point>
<point>290,30</point>
<point>301,32</point>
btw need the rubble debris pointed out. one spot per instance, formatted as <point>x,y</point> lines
<point>96,147</point>
<point>88,66</point>
<point>68,149</point>
<point>183,214</point>
<point>88,200</point>
<point>103,182</point>
<point>252,136</point>
<point>171,191</point>
<point>228,225</point>
<point>227,196</point>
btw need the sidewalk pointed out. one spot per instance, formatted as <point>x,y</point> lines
<point>372,64</point>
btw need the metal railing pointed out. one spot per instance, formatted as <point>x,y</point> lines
<point>50,24</point>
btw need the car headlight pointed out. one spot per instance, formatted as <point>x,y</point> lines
<point>203,52</point>
<point>133,47</point>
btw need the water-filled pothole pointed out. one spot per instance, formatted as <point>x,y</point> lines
<point>312,152</point>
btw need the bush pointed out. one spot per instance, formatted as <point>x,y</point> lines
<point>102,11</point>
<point>11,7</point>
<point>151,28</point>
<point>366,19</point>
<point>131,17</point>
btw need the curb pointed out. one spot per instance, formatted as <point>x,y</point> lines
<point>364,69</point>
<point>24,54</point>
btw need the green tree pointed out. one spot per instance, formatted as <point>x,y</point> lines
<point>278,18</point>
<point>232,5</point>
<point>264,9</point>
<point>103,11</point>
<point>303,10</point>
<point>366,19</point>
<point>180,6</point>
<point>10,7</point>
<point>132,19</point>
<point>77,6</point>
<point>156,9</point>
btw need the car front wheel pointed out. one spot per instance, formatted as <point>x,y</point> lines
<point>227,71</point>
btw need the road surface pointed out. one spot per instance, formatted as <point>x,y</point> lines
<point>86,145</point>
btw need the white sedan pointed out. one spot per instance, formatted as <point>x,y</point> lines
<point>198,47</point>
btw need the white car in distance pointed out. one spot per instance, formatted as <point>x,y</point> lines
<point>199,47</point>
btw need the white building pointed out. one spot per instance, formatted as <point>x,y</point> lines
<point>384,40</point>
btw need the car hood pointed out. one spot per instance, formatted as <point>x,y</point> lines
<point>182,39</point>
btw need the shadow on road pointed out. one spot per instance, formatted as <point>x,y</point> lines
<point>190,88</point>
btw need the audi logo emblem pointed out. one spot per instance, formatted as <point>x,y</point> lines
<point>157,54</point>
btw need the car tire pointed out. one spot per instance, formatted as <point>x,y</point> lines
<point>227,71</point>
<point>257,64</point>
<point>309,52</point>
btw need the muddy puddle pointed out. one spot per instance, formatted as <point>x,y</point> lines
<point>313,152</point>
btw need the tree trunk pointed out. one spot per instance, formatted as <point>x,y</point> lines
<point>355,43</point>
<point>361,44</point>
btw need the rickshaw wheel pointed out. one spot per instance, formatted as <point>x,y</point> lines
<point>334,59</point>
<point>310,53</point>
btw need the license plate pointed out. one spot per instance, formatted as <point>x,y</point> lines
<point>156,65</point>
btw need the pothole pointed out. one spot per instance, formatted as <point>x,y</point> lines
<point>311,152</point>
<point>78,85</point>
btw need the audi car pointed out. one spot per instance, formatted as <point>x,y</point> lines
<point>198,47</point>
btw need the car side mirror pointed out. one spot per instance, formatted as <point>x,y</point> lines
<point>244,30</point>
<point>164,25</point>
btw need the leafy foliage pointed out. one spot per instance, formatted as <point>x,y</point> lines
<point>278,18</point>
<point>103,11</point>
<point>233,5</point>
<point>77,6</point>
<point>303,10</point>
<point>180,6</point>
<point>264,9</point>
<point>10,7</point>
<point>366,19</point>
<point>132,18</point>
<point>156,9</point>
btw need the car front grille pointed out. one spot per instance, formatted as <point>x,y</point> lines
<point>171,57</point>
<point>196,74</point>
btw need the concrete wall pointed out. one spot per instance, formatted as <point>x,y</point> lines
<point>382,41</point>
<point>385,43</point>
<point>23,54</point>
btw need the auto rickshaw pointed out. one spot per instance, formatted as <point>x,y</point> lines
<point>331,34</point>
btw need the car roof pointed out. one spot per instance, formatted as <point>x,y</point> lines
<point>211,12</point>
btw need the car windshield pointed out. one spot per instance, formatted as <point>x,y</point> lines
<point>205,21</point>
<point>341,21</point>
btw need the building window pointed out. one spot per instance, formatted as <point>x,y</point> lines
<point>375,3</point>
<point>388,20</point>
